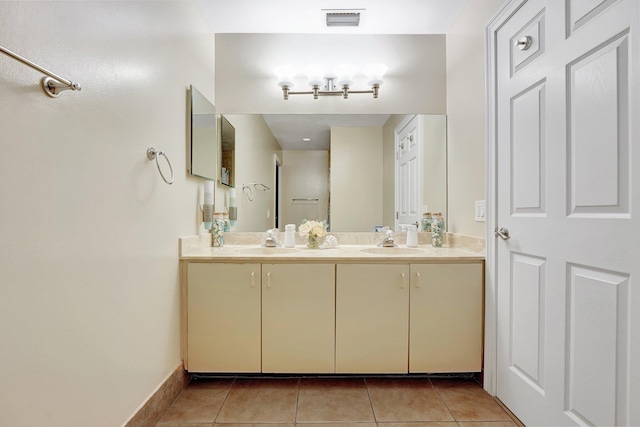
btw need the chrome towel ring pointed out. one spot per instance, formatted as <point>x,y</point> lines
<point>247,192</point>
<point>152,153</point>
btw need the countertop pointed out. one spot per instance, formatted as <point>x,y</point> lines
<point>341,254</point>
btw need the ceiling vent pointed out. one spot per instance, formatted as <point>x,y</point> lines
<point>343,17</point>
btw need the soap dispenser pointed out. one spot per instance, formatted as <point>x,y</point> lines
<point>412,236</point>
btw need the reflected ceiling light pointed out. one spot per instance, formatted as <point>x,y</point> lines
<point>334,83</point>
<point>306,139</point>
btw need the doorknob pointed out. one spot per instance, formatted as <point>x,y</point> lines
<point>524,43</point>
<point>503,233</point>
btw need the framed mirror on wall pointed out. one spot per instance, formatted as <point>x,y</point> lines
<point>227,153</point>
<point>202,144</point>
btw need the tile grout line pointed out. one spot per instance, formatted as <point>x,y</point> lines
<point>223,402</point>
<point>375,417</point>
<point>443,401</point>
<point>295,416</point>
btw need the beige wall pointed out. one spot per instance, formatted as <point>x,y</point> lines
<point>434,164</point>
<point>356,178</point>
<point>245,82</point>
<point>305,174</point>
<point>89,302</point>
<point>466,114</point>
<point>256,149</point>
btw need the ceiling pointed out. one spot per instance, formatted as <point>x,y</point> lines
<point>289,129</point>
<point>306,16</point>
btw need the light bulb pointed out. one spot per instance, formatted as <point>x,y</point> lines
<point>344,74</point>
<point>374,73</point>
<point>315,74</point>
<point>285,75</point>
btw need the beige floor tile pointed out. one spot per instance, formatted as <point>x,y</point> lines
<point>253,425</point>
<point>406,400</point>
<point>421,424</point>
<point>487,424</point>
<point>260,401</point>
<point>198,403</point>
<point>355,424</point>
<point>333,400</point>
<point>162,424</point>
<point>468,401</point>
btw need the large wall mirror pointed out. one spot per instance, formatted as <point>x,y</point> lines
<point>335,167</point>
<point>203,141</point>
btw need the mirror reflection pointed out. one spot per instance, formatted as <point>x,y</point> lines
<point>355,171</point>
<point>204,138</point>
<point>227,152</point>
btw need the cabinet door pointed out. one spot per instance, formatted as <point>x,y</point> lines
<point>298,318</point>
<point>446,318</point>
<point>223,320</point>
<point>372,318</point>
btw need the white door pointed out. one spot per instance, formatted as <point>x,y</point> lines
<point>568,321</point>
<point>408,172</point>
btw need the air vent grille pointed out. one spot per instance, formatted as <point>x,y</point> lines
<point>343,19</point>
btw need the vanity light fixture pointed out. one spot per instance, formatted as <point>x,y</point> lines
<point>334,83</point>
<point>306,139</point>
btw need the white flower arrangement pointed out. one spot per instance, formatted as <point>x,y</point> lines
<point>312,228</point>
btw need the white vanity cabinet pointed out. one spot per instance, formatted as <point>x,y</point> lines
<point>372,318</point>
<point>446,309</point>
<point>298,318</point>
<point>223,317</point>
<point>333,317</point>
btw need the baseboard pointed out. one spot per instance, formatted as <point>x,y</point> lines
<point>151,411</point>
<point>508,411</point>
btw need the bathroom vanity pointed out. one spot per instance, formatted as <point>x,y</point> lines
<point>348,310</point>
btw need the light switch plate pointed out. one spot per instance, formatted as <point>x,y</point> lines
<point>480,211</point>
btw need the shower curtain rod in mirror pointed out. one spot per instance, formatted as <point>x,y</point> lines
<point>52,85</point>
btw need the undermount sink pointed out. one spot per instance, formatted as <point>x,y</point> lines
<point>267,251</point>
<point>391,251</point>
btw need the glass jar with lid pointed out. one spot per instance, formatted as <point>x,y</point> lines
<point>425,224</point>
<point>437,229</point>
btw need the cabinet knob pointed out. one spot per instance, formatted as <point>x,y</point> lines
<point>417,279</point>
<point>253,276</point>
<point>268,279</point>
<point>402,281</point>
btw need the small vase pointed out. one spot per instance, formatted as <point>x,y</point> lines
<point>313,242</point>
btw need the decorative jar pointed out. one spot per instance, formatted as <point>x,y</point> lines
<point>437,229</point>
<point>217,232</point>
<point>426,222</point>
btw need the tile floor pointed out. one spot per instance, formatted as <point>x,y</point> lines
<point>335,402</point>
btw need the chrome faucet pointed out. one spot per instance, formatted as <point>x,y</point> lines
<point>271,241</point>
<point>388,240</point>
